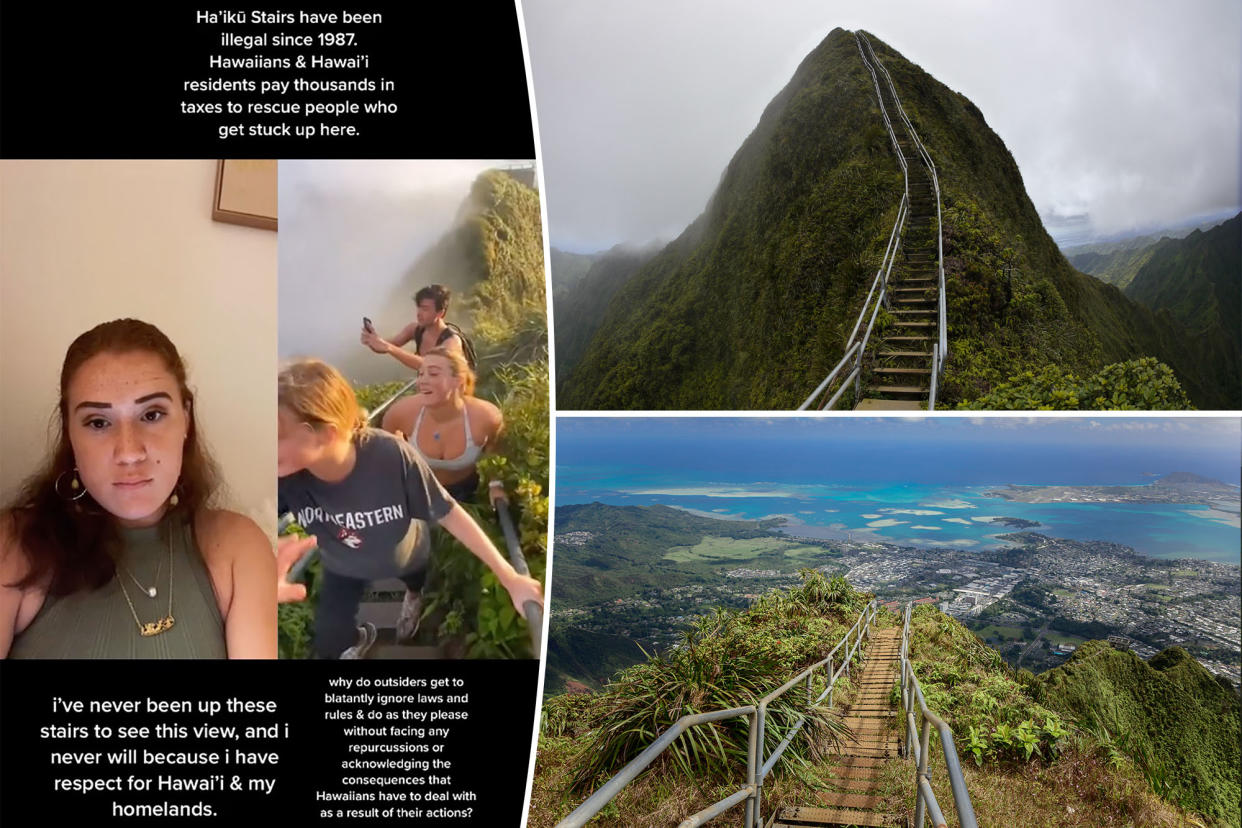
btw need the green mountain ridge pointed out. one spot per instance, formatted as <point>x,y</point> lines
<point>753,304</point>
<point>1117,262</point>
<point>1169,714</point>
<point>579,304</point>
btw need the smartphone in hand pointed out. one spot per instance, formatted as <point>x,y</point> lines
<point>366,323</point>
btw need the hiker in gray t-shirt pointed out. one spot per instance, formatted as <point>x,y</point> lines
<point>368,498</point>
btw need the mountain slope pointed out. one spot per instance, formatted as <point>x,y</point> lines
<point>580,304</point>
<point>603,552</point>
<point>1178,722</point>
<point>1198,279</point>
<point>1117,262</point>
<point>753,304</point>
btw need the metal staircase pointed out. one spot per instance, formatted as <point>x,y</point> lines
<point>881,732</point>
<point>895,365</point>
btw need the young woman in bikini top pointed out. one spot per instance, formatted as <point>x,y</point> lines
<point>446,423</point>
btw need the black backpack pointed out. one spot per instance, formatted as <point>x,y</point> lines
<point>467,347</point>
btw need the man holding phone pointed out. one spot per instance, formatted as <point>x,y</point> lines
<point>427,331</point>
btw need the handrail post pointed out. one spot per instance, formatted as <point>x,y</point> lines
<point>924,738</point>
<point>752,766</point>
<point>761,713</point>
<point>831,681</point>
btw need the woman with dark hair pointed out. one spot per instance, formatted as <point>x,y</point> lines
<point>111,550</point>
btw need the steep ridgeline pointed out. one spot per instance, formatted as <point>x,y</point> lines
<point>578,304</point>
<point>1198,281</point>
<point>1177,722</point>
<point>753,305</point>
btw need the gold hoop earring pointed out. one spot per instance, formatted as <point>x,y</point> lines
<point>74,485</point>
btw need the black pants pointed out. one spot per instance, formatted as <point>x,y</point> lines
<point>336,616</point>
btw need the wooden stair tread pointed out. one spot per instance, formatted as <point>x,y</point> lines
<point>863,802</point>
<point>871,404</point>
<point>806,816</point>
<point>900,389</point>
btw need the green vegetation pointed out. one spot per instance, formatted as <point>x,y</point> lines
<point>581,304</point>
<point>968,683</point>
<point>509,310</point>
<point>1141,384</point>
<point>1170,717</point>
<point>735,549</point>
<point>752,305</point>
<point>727,660</point>
<point>627,550</point>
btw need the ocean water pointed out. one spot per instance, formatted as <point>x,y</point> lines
<point>903,488</point>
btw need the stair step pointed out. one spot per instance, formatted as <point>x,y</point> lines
<point>901,371</point>
<point>866,784</point>
<point>848,765</point>
<point>875,404</point>
<point>863,802</point>
<point>886,751</point>
<point>926,354</point>
<point>805,816</point>
<point>918,312</point>
<point>915,324</point>
<point>900,389</point>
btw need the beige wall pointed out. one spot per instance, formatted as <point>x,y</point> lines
<point>82,242</point>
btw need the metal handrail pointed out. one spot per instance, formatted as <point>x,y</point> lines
<point>596,801</point>
<point>756,768</point>
<point>855,349</point>
<point>375,416</point>
<point>927,159</point>
<point>532,610</point>
<point>917,740</point>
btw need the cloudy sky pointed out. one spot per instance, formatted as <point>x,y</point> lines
<point>1121,115</point>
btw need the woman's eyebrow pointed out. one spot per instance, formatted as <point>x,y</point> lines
<point>157,395</point>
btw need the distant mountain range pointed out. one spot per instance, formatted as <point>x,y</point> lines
<point>582,288</point>
<point>753,304</point>
<point>1116,261</point>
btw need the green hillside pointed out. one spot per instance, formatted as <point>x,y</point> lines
<point>753,304</point>
<point>568,268</point>
<point>626,550</point>
<point>1171,716</point>
<point>1198,279</point>
<point>1117,262</point>
<point>579,306</point>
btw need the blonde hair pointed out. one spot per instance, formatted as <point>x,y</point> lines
<point>459,366</point>
<point>318,394</point>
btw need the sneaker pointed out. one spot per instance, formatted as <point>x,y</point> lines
<point>411,615</point>
<point>366,637</point>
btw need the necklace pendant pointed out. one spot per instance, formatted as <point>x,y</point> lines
<point>156,627</point>
<point>151,592</point>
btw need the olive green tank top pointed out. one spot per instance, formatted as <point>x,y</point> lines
<point>99,623</point>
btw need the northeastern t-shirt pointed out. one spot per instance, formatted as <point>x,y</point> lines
<point>372,524</point>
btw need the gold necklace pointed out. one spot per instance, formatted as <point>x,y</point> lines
<point>150,591</point>
<point>163,624</point>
